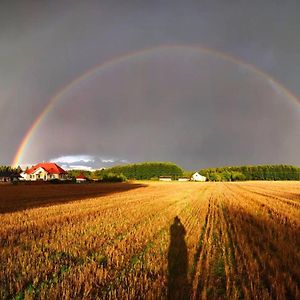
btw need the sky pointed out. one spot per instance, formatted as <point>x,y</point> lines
<point>198,83</point>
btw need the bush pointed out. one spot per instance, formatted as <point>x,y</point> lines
<point>215,177</point>
<point>111,177</point>
<point>238,176</point>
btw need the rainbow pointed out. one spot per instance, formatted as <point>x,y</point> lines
<point>106,65</point>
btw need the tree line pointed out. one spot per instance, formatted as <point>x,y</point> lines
<point>146,170</point>
<point>260,172</point>
<point>98,175</point>
<point>10,170</point>
<point>153,170</point>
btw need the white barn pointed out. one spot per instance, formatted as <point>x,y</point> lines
<point>197,177</point>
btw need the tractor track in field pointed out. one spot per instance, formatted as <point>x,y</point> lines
<point>201,277</point>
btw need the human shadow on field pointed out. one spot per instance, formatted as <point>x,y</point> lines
<point>178,285</point>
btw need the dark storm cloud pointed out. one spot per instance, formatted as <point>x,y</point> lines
<point>46,44</point>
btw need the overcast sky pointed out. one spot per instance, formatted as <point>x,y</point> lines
<point>193,107</point>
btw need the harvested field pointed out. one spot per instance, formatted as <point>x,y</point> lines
<point>229,240</point>
<point>30,195</point>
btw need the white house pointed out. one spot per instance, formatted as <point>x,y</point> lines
<point>45,171</point>
<point>197,177</point>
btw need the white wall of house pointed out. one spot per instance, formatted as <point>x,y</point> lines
<point>38,174</point>
<point>23,176</point>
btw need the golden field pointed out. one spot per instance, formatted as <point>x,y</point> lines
<point>123,241</point>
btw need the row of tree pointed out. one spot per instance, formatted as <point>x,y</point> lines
<point>99,175</point>
<point>261,172</point>
<point>146,170</point>
<point>153,170</point>
<point>9,171</point>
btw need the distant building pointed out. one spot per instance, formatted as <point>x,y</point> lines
<point>81,178</point>
<point>44,172</point>
<point>165,178</point>
<point>197,177</point>
<point>183,179</point>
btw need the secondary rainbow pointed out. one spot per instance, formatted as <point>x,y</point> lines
<point>104,66</point>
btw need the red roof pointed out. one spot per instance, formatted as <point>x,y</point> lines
<point>81,176</point>
<point>50,168</point>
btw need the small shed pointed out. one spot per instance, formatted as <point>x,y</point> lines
<point>81,178</point>
<point>197,177</point>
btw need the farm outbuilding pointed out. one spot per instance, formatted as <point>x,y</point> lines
<point>81,178</point>
<point>197,177</point>
<point>182,179</point>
